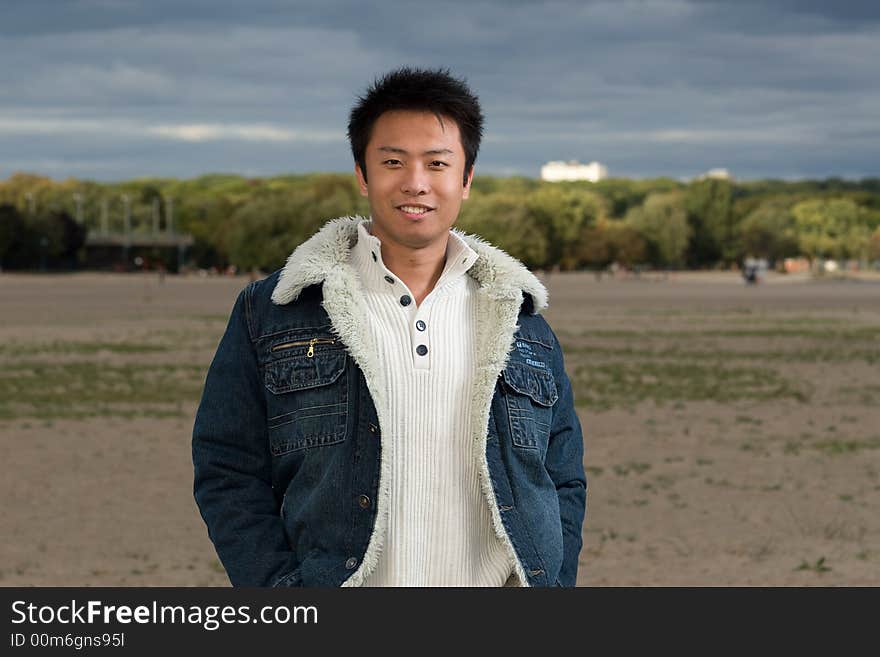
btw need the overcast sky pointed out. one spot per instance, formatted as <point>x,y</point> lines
<point>114,89</point>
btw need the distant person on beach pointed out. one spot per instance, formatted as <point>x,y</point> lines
<point>390,408</point>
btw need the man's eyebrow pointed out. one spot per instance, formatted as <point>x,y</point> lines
<point>401,151</point>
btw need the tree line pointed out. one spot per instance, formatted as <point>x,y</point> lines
<point>254,223</point>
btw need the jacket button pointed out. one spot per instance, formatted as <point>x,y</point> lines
<point>389,279</point>
<point>363,501</point>
<point>351,562</point>
<point>420,325</point>
<point>373,428</point>
<point>405,300</point>
<point>421,350</point>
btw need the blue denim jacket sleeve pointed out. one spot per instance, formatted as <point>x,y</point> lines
<point>232,463</point>
<point>564,463</point>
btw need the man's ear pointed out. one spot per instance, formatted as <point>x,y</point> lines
<point>362,180</point>
<point>467,183</point>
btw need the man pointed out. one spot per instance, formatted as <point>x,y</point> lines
<point>389,409</point>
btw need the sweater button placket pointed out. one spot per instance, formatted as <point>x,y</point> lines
<point>420,344</point>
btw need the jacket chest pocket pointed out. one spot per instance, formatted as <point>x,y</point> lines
<point>530,397</point>
<point>306,393</point>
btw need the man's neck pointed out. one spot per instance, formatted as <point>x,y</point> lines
<point>420,269</point>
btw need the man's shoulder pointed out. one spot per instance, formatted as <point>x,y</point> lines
<point>260,292</point>
<point>534,327</point>
<point>507,277</point>
<point>265,316</point>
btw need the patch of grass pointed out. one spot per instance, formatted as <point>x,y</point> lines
<point>847,446</point>
<point>823,333</point>
<point>664,481</point>
<point>845,498</point>
<point>819,567</point>
<point>622,470</point>
<point>864,394</point>
<point>81,348</point>
<point>610,385</point>
<point>86,389</point>
<point>753,448</point>
<point>841,353</point>
<point>594,470</point>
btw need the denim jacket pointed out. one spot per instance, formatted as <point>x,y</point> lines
<point>291,476</point>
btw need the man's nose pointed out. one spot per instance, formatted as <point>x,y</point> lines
<point>415,182</point>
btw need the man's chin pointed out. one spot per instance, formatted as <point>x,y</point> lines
<point>417,236</point>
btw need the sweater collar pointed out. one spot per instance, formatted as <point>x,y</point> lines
<point>501,276</point>
<point>366,257</point>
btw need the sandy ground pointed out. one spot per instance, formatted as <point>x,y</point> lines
<point>732,433</point>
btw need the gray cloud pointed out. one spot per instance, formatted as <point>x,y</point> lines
<point>118,88</point>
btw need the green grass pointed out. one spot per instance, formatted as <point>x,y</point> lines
<point>843,353</point>
<point>823,334</point>
<point>610,385</point>
<point>865,394</point>
<point>847,446</point>
<point>86,389</point>
<point>85,348</point>
<point>818,567</point>
<point>624,469</point>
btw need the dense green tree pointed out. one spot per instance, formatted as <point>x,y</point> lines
<point>663,222</point>
<point>769,231</point>
<point>621,194</point>
<point>12,230</point>
<point>262,232</point>
<point>874,245</point>
<point>832,228</point>
<point>563,212</point>
<point>610,241</point>
<point>544,224</point>
<point>709,205</point>
<point>503,220</point>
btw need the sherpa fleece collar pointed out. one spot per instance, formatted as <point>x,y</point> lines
<point>500,275</point>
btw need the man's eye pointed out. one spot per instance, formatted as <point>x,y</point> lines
<point>391,162</point>
<point>439,164</point>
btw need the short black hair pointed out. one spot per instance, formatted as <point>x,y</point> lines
<point>416,89</point>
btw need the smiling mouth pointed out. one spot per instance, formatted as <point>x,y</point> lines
<point>414,210</point>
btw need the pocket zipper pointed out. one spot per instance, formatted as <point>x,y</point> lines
<point>311,343</point>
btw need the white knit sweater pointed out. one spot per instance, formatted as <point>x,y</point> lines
<point>439,525</point>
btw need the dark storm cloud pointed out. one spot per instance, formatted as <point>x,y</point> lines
<point>116,88</point>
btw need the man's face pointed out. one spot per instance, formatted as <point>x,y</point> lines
<point>415,167</point>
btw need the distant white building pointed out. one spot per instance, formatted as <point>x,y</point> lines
<point>573,170</point>
<point>715,174</point>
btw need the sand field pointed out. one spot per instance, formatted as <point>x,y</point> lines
<point>732,433</point>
